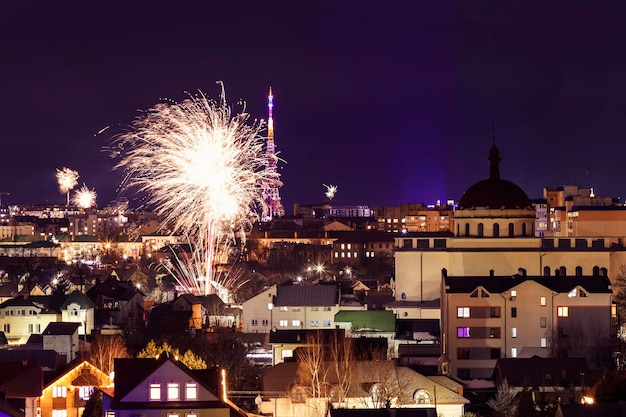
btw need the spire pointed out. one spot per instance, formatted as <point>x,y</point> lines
<point>272,197</point>
<point>494,158</point>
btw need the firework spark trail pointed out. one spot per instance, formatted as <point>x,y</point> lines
<point>67,179</point>
<point>84,197</point>
<point>202,170</point>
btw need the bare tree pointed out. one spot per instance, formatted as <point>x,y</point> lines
<point>342,362</point>
<point>379,380</point>
<point>311,370</point>
<point>105,349</point>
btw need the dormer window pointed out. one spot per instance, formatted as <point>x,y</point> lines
<point>421,396</point>
<point>155,392</point>
<point>572,293</point>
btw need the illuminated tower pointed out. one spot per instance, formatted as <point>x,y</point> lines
<point>272,198</point>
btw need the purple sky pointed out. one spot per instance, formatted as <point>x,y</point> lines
<point>391,101</point>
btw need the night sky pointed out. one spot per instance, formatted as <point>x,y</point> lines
<point>391,101</point>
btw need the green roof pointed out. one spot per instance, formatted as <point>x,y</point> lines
<point>368,320</point>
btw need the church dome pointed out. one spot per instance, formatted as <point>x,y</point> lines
<point>494,192</point>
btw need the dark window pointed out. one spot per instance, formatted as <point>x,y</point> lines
<point>495,353</point>
<point>511,230</point>
<point>439,243</point>
<point>407,244</point>
<point>463,373</point>
<point>496,230</point>
<point>462,353</point>
<point>513,311</point>
<point>523,229</point>
<point>546,271</point>
<point>480,230</point>
<point>467,229</point>
<point>579,271</point>
<point>543,322</point>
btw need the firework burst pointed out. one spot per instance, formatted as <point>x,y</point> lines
<point>201,168</point>
<point>67,179</point>
<point>84,197</point>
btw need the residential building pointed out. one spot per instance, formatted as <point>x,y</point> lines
<point>372,384</point>
<point>118,303</point>
<point>21,383</point>
<point>63,339</point>
<point>416,217</point>
<point>25,315</point>
<point>485,318</point>
<point>165,387</point>
<point>67,394</point>
<point>257,312</point>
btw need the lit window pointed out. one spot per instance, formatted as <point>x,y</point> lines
<point>173,391</point>
<point>295,323</point>
<point>572,293</point>
<point>283,323</point>
<point>463,332</point>
<point>326,323</point>
<point>59,391</point>
<point>191,415</point>
<point>284,308</point>
<point>513,331</point>
<point>315,323</point>
<point>155,392</point>
<point>542,301</point>
<point>513,293</point>
<point>191,391</point>
<point>59,413</point>
<point>514,352</point>
<point>463,312</point>
<point>173,415</point>
<point>543,342</point>
<point>85,392</point>
<point>562,311</point>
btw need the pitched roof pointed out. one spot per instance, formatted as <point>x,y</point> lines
<point>21,379</point>
<point>306,295</point>
<point>131,371</point>
<point>78,298</point>
<point>537,371</point>
<point>61,328</point>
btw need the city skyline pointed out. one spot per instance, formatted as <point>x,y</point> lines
<point>393,105</point>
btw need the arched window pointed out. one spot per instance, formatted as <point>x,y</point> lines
<point>596,271</point>
<point>467,230</point>
<point>562,271</point>
<point>458,229</point>
<point>511,230</point>
<point>579,271</point>
<point>403,296</point>
<point>496,230</point>
<point>480,230</point>
<point>421,396</point>
<point>546,271</point>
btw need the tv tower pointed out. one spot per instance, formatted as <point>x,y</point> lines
<point>271,196</point>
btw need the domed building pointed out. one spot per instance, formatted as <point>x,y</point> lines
<point>494,207</point>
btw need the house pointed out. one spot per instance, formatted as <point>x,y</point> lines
<point>307,306</point>
<point>118,303</point>
<point>376,324</point>
<point>25,315</point>
<point>257,311</point>
<point>67,394</point>
<point>158,387</point>
<point>22,384</point>
<point>63,339</point>
<point>185,312</point>
<point>372,384</point>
